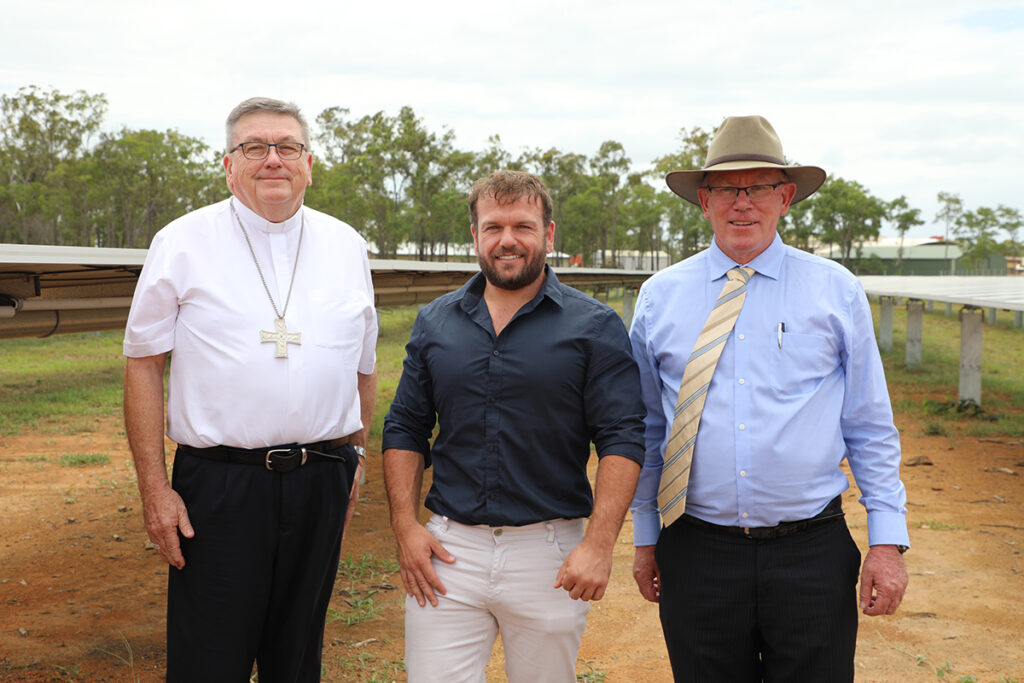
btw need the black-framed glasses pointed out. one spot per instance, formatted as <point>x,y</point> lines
<point>289,151</point>
<point>754,192</point>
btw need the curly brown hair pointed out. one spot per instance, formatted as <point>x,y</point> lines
<point>506,187</point>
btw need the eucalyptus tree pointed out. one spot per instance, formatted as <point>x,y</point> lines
<point>608,169</point>
<point>951,209</point>
<point>42,132</point>
<point>846,215</point>
<point>364,176</point>
<point>565,175</point>
<point>686,227</point>
<point>141,180</point>
<point>903,218</point>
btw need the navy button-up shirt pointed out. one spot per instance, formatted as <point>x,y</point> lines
<point>516,412</point>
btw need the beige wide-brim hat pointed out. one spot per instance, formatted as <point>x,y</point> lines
<point>741,143</point>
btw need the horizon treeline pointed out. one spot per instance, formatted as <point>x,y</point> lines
<point>65,181</point>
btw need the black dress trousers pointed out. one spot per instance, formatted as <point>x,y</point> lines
<point>737,610</point>
<point>259,572</point>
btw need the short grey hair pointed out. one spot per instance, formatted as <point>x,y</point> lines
<point>256,105</point>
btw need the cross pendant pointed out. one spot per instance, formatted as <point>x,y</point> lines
<point>282,337</point>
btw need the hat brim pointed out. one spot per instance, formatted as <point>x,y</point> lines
<point>807,178</point>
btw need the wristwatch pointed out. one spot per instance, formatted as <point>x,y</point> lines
<point>361,452</point>
<point>903,548</point>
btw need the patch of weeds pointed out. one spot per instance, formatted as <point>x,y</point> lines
<point>360,610</point>
<point>935,429</point>
<point>36,458</point>
<point>83,459</point>
<point>966,407</point>
<point>366,568</point>
<point>127,659</point>
<point>67,673</point>
<point>587,673</point>
<point>366,667</point>
<point>126,486</point>
<point>935,525</point>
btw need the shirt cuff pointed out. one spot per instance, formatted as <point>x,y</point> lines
<point>646,527</point>
<point>887,528</point>
<point>146,349</point>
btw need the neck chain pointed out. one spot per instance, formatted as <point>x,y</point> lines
<point>280,336</point>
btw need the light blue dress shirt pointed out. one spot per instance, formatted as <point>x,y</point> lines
<point>784,408</point>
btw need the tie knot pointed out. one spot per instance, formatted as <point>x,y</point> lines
<point>740,273</point>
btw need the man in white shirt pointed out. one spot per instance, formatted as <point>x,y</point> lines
<point>268,308</point>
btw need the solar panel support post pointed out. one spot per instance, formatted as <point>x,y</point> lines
<point>970,354</point>
<point>885,323</point>
<point>915,327</point>
<point>628,304</point>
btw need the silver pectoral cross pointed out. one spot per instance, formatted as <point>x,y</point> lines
<point>282,337</point>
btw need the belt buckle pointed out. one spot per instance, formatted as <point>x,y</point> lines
<point>290,459</point>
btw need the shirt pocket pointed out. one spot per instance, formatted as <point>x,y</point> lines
<point>803,362</point>
<point>339,323</point>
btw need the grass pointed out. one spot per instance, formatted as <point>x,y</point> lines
<point>83,459</point>
<point>367,667</point>
<point>940,670</point>
<point>61,384</point>
<point>935,525</point>
<point>587,673</point>
<point>127,659</point>
<point>929,393</point>
<point>367,568</point>
<point>360,609</point>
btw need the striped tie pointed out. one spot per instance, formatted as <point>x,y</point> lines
<point>675,474</point>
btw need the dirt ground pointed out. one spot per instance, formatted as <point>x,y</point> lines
<point>82,593</point>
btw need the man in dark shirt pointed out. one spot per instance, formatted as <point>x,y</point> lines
<point>521,374</point>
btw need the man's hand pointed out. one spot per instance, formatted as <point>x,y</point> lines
<point>646,574</point>
<point>416,546</point>
<point>883,580</point>
<point>165,514</point>
<point>584,574</point>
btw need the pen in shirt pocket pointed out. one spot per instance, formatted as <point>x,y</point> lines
<point>782,328</point>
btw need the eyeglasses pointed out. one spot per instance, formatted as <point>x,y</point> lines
<point>754,192</point>
<point>289,151</point>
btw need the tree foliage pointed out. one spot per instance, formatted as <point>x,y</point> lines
<point>403,187</point>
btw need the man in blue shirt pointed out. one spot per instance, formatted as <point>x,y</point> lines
<point>521,373</point>
<point>756,579</point>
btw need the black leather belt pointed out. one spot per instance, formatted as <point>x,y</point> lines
<point>283,458</point>
<point>834,510</point>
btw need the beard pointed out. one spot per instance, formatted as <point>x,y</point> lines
<point>530,271</point>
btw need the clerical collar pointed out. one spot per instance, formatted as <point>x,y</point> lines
<point>254,221</point>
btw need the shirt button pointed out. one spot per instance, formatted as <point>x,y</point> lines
<point>496,352</point>
<point>742,427</point>
<point>743,473</point>
<point>743,336</point>
<point>745,515</point>
<point>742,381</point>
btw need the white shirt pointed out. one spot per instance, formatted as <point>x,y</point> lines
<point>200,295</point>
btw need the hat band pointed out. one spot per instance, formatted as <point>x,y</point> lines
<point>744,157</point>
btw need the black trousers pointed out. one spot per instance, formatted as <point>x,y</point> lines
<point>737,610</point>
<point>259,572</point>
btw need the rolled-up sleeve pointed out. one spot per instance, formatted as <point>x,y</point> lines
<point>615,411</point>
<point>410,420</point>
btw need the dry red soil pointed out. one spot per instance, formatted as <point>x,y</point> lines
<point>82,594</point>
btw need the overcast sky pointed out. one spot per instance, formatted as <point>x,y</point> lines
<point>906,97</point>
